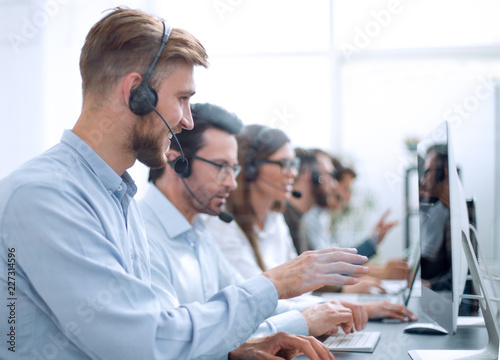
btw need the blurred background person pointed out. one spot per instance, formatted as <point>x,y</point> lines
<point>185,261</point>
<point>325,185</point>
<point>435,233</point>
<point>259,238</point>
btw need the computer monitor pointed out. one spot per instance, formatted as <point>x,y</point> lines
<point>446,249</point>
<point>414,264</point>
<point>443,217</point>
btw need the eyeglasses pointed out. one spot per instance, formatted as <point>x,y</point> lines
<point>224,169</point>
<point>328,178</point>
<point>286,165</point>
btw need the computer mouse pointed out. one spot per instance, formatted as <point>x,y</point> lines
<point>425,329</point>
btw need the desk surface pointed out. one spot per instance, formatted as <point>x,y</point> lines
<point>394,343</point>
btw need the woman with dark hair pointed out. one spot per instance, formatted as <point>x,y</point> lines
<point>259,238</point>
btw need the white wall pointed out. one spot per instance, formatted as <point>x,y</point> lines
<point>21,92</point>
<point>351,77</point>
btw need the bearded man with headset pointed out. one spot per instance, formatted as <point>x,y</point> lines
<point>68,218</point>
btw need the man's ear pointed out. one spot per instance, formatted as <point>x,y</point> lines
<point>130,82</point>
<point>172,155</point>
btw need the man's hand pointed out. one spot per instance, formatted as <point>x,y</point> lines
<point>359,314</point>
<point>385,309</point>
<point>394,269</point>
<point>281,346</point>
<point>383,227</point>
<point>314,269</point>
<point>324,319</point>
<point>366,285</point>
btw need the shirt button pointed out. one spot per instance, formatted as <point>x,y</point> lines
<point>119,188</point>
<point>110,192</point>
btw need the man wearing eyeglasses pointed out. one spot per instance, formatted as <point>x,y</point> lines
<point>186,262</point>
<point>177,239</point>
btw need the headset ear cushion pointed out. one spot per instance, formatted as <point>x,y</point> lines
<point>182,167</point>
<point>315,177</point>
<point>439,175</point>
<point>143,100</point>
<point>251,172</point>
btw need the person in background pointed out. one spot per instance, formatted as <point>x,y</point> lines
<point>316,183</point>
<point>259,238</point>
<point>333,201</point>
<point>435,220</point>
<point>183,254</point>
<point>69,220</point>
<point>336,199</point>
<point>318,187</point>
<point>394,268</point>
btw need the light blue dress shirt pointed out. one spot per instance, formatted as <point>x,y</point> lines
<point>82,272</point>
<point>186,258</point>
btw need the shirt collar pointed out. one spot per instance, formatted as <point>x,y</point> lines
<point>110,179</point>
<point>171,219</point>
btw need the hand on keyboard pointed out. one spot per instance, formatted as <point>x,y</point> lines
<point>359,314</point>
<point>326,318</point>
<point>386,309</point>
<point>364,341</point>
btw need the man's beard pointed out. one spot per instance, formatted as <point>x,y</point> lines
<point>148,146</point>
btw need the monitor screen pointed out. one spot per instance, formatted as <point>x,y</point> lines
<point>435,231</point>
<point>443,215</point>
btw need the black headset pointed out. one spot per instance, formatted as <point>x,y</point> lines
<point>441,160</point>
<point>251,171</point>
<point>440,174</point>
<point>144,98</point>
<point>310,160</point>
<point>186,172</point>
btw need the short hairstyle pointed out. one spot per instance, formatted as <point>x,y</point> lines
<point>341,169</point>
<point>205,116</point>
<point>307,160</point>
<point>441,151</point>
<point>127,40</point>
